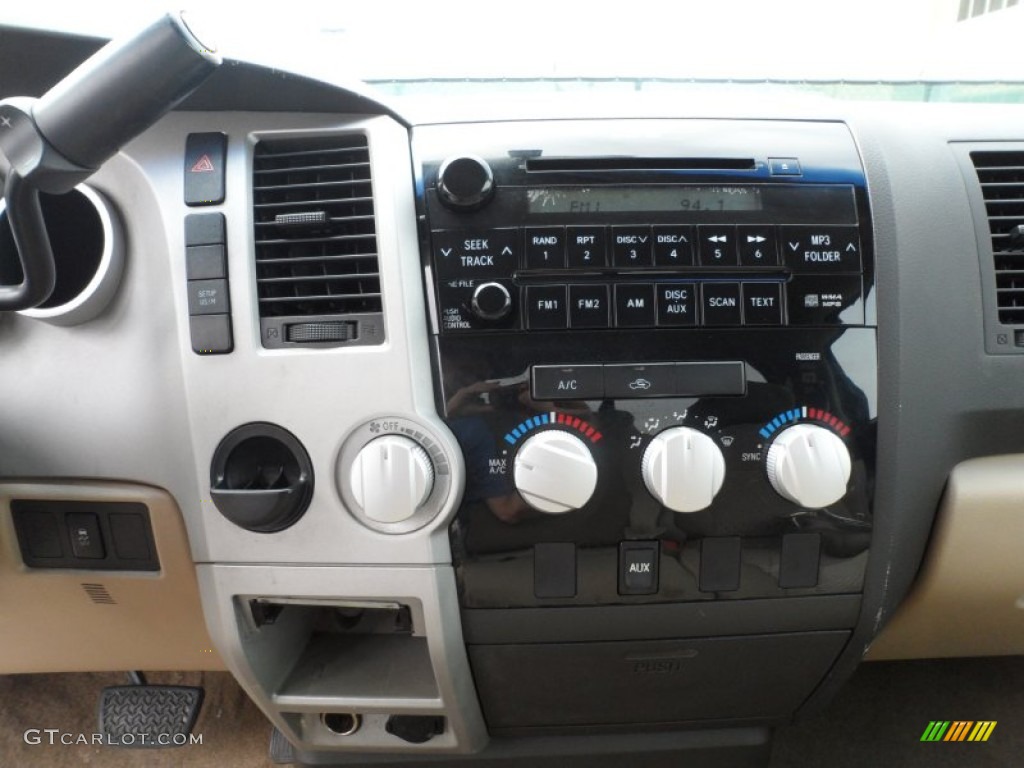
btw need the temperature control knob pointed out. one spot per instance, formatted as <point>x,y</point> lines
<point>555,472</point>
<point>465,183</point>
<point>809,465</point>
<point>390,478</point>
<point>683,469</point>
<point>491,301</point>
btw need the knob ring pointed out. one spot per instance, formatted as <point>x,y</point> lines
<point>446,464</point>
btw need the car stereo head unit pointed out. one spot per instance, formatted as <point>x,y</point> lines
<point>655,343</point>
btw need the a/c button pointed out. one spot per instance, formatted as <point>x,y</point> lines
<point>558,382</point>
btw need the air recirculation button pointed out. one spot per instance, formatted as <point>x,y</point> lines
<point>261,478</point>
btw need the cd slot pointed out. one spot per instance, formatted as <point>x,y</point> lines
<point>601,164</point>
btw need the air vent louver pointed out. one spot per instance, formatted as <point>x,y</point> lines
<point>316,243</point>
<point>1002,185</point>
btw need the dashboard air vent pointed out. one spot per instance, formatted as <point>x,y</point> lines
<point>316,244</point>
<point>1001,175</point>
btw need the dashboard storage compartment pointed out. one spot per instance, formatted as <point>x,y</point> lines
<point>760,678</point>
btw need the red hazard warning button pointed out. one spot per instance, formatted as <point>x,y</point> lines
<point>204,168</point>
<point>203,165</point>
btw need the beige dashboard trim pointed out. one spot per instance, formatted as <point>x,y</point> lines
<point>50,623</point>
<point>968,599</point>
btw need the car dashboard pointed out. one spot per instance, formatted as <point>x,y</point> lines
<point>510,430</point>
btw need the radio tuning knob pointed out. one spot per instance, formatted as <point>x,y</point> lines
<point>465,183</point>
<point>390,478</point>
<point>555,472</point>
<point>683,469</point>
<point>809,465</point>
<point>491,301</point>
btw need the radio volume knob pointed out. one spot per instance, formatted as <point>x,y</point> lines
<point>683,469</point>
<point>809,465</point>
<point>491,301</point>
<point>465,183</point>
<point>555,472</point>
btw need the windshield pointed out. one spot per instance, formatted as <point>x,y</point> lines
<point>919,49</point>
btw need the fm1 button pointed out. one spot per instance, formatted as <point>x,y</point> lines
<point>545,308</point>
<point>638,567</point>
<point>577,382</point>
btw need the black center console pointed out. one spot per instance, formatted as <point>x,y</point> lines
<point>655,342</point>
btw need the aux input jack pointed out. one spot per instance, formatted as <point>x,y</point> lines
<point>341,723</point>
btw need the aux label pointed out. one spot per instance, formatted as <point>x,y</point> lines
<point>639,567</point>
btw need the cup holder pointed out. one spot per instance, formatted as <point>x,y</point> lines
<point>261,478</point>
<point>88,253</point>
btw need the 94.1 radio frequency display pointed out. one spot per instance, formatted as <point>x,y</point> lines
<point>643,198</point>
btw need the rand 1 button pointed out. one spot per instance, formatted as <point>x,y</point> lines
<point>474,254</point>
<point>545,308</point>
<point>544,247</point>
<point>819,300</point>
<point>762,304</point>
<point>720,304</point>
<point>631,246</point>
<point>639,380</point>
<point>575,382</point>
<point>588,306</point>
<point>677,303</point>
<point>717,246</point>
<point>585,247</point>
<point>673,246</point>
<point>821,249</point>
<point>634,305</point>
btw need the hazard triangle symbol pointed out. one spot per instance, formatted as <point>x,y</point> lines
<point>203,165</point>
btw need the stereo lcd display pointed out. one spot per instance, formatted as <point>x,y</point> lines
<point>666,198</point>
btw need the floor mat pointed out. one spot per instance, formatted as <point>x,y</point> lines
<point>877,719</point>
<point>234,733</point>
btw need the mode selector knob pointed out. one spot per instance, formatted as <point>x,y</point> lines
<point>683,469</point>
<point>390,478</point>
<point>809,465</point>
<point>555,472</point>
<point>465,183</point>
<point>491,301</point>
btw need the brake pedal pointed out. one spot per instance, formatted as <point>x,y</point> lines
<point>149,716</point>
